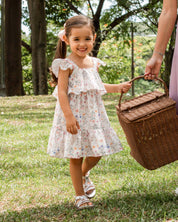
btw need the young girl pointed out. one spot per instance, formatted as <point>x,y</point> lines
<point>81,127</point>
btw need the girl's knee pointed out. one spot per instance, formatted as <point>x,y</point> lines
<point>76,161</point>
<point>98,158</point>
<point>95,159</point>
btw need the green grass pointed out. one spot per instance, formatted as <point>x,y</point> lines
<point>36,187</point>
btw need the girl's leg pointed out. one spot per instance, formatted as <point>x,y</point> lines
<point>89,163</point>
<point>76,175</point>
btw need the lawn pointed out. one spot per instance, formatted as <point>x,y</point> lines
<point>36,187</point>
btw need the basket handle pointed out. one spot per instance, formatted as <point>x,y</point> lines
<point>141,77</point>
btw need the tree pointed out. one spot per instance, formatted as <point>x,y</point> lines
<point>118,14</point>
<point>13,69</point>
<point>112,19</point>
<point>38,42</point>
<point>109,22</point>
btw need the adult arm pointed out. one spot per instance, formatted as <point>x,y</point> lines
<point>165,27</point>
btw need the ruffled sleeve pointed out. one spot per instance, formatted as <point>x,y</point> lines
<point>99,62</point>
<point>62,64</point>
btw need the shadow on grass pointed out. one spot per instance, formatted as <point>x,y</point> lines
<point>17,169</point>
<point>113,207</point>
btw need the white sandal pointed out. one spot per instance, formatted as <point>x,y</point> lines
<point>81,200</point>
<point>88,186</point>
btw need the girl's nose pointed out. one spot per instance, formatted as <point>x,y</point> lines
<point>82,42</point>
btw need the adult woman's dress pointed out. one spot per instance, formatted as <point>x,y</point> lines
<point>173,88</point>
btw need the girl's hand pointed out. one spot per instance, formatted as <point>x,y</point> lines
<point>153,67</point>
<point>72,125</point>
<point>118,88</point>
<point>125,86</point>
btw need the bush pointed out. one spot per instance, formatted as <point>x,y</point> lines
<point>117,56</point>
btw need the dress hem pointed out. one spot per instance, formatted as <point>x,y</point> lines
<point>65,157</point>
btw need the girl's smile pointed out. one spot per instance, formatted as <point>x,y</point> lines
<point>81,41</point>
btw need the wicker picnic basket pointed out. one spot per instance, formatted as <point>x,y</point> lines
<point>151,127</point>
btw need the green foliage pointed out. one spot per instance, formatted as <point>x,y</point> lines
<point>122,12</point>
<point>116,49</point>
<point>27,69</point>
<point>115,53</point>
<point>150,16</point>
<point>27,59</point>
<point>117,56</point>
<point>25,14</point>
<point>111,52</point>
<point>58,12</point>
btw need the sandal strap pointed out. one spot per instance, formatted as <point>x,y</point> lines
<point>80,200</point>
<point>88,185</point>
<point>86,175</point>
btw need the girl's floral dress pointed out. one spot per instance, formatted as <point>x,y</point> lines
<point>95,136</point>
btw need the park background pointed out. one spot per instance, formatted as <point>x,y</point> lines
<point>36,187</point>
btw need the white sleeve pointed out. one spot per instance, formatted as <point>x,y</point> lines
<point>62,64</point>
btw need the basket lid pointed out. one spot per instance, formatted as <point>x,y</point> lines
<point>137,101</point>
<point>145,105</point>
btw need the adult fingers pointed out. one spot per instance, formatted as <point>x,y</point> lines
<point>150,76</point>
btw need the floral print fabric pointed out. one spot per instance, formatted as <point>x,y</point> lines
<point>95,137</point>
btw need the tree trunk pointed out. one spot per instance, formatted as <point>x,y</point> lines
<point>98,40</point>
<point>13,68</point>
<point>96,46</point>
<point>38,42</point>
<point>168,65</point>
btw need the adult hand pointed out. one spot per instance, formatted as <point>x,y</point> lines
<point>153,67</point>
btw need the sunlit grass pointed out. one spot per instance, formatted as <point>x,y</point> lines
<point>36,187</point>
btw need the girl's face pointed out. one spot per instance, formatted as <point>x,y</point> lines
<point>81,40</point>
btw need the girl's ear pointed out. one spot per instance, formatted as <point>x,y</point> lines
<point>66,39</point>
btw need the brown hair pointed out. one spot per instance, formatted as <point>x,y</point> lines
<point>61,49</point>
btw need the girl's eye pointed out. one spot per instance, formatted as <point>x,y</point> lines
<point>76,39</point>
<point>88,39</point>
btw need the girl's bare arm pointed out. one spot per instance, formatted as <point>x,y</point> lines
<point>71,122</point>
<point>117,88</point>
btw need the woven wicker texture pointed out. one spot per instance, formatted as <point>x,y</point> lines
<point>141,99</point>
<point>137,110</point>
<point>151,127</point>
